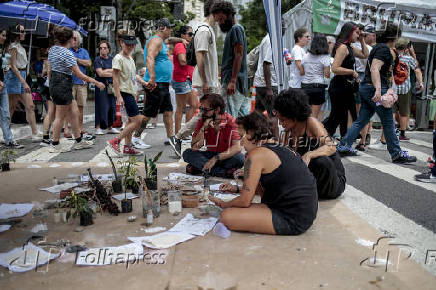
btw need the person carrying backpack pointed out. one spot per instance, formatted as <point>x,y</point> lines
<point>403,64</point>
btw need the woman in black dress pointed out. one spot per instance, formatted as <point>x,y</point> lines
<point>288,189</point>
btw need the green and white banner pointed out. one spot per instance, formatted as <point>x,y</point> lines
<point>418,22</point>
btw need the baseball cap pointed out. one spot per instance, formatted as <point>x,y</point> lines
<point>163,22</point>
<point>128,39</point>
<point>370,29</point>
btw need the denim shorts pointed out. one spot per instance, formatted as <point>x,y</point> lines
<point>130,104</point>
<point>182,88</point>
<point>13,84</point>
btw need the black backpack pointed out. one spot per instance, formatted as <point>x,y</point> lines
<point>191,58</point>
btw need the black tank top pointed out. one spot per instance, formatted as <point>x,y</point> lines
<point>291,187</point>
<point>339,81</point>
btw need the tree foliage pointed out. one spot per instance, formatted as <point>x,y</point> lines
<point>254,20</point>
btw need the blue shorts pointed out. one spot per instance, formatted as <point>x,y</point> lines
<point>132,109</point>
<point>13,84</point>
<point>182,88</point>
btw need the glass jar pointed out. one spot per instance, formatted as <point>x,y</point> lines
<point>155,196</point>
<point>174,202</point>
<point>146,202</point>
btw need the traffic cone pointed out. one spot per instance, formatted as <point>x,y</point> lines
<point>118,123</point>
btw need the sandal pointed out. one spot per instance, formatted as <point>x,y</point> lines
<point>360,147</point>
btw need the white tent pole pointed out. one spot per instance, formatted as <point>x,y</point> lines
<point>30,53</point>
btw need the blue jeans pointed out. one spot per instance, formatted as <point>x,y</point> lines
<point>237,105</point>
<point>199,158</point>
<point>367,110</point>
<point>5,119</point>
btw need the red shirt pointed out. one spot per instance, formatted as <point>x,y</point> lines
<point>181,73</point>
<point>220,141</point>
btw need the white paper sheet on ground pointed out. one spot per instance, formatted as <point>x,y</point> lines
<point>23,260</point>
<point>225,196</point>
<point>103,164</point>
<point>173,165</point>
<point>77,164</point>
<point>4,228</point>
<point>194,226</point>
<point>181,177</point>
<point>54,165</point>
<point>39,227</point>
<point>101,177</point>
<point>154,230</point>
<point>13,210</point>
<point>34,166</point>
<point>121,196</point>
<point>162,240</point>
<point>110,255</point>
<point>58,188</point>
<point>216,187</point>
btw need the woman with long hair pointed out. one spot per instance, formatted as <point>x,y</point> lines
<point>62,66</point>
<point>182,79</point>
<point>316,65</point>
<point>345,83</point>
<point>15,79</point>
<point>288,205</point>
<point>378,78</point>
<point>5,118</point>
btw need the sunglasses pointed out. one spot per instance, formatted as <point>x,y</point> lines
<point>190,34</point>
<point>203,109</point>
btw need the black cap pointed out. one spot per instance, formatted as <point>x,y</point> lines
<point>163,22</point>
<point>129,39</point>
<point>370,29</point>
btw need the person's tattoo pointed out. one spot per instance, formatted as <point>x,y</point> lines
<point>247,167</point>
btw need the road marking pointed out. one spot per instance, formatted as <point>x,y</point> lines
<point>382,217</point>
<point>420,143</point>
<point>42,154</point>
<point>392,169</point>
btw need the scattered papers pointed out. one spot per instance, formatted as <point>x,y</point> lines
<point>110,255</point>
<point>162,240</point>
<point>181,177</point>
<point>77,164</point>
<point>154,230</point>
<point>226,196</point>
<point>54,165</point>
<point>39,227</point>
<point>9,210</point>
<point>4,228</point>
<point>194,226</point>
<point>101,177</point>
<point>25,259</point>
<point>121,196</point>
<point>103,164</point>
<point>173,165</point>
<point>216,187</point>
<point>58,188</point>
<point>33,166</point>
<point>364,243</point>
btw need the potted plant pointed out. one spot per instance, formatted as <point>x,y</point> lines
<point>129,171</point>
<point>7,156</point>
<point>151,171</point>
<point>117,185</point>
<point>82,209</point>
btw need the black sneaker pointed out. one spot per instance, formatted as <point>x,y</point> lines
<point>14,145</point>
<point>45,142</point>
<point>176,144</point>
<point>404,158</point>
<point>426,177</point>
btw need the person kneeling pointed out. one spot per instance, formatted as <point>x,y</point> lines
<point>223,155</point>
<point>309,138</point>
<point>289,197</point>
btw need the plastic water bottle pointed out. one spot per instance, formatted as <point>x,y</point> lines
<point>288,56</point>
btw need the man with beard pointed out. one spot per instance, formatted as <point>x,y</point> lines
<point>234,63</point>
<point>223,155</point>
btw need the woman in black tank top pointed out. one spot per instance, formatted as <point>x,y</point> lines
<point>344,84</point>
<point>279,175</point>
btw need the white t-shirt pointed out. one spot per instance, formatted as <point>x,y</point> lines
<point>21,59</point>
<point>314,68</point>
<point>265,54</point>
<point>294,77</point>
<point>361,63</point>
<point>204,40</point>
<point>127,69</point>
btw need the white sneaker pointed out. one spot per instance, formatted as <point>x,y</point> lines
<point>37,138</point>
<point>58,149</point>
<point>378,146</point>
<point>99,132</point>
<point>84,144</point>
<point>113,131</point>
<point>139,144</point>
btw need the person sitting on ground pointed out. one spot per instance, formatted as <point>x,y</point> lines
<point>289,201</point>
<point>223,155</point>
<point>309,138</point>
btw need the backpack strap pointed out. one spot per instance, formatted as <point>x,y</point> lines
<point>210,40</point>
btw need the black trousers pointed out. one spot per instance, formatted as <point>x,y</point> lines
<point>343,101</point>
<point>330,176</point>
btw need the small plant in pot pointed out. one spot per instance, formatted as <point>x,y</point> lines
<point>129,171</point>
<point>7,156</point>
<point>117,184</point>
<point>82,209</point>
<point>151,171</point>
